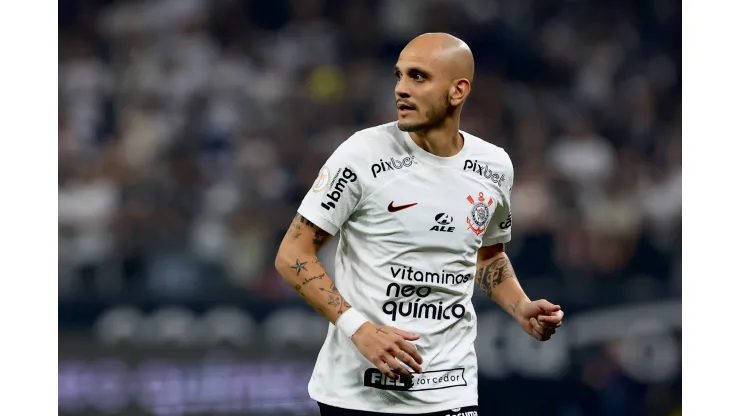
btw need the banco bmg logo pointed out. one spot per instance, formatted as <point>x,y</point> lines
<point>393,164</point>
<point>484,171</point>
<point>339,184</point>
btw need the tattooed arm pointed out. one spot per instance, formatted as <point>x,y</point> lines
<point>496,277</point>
<point>297,262</point>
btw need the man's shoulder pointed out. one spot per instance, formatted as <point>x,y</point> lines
<point>381,135</point>
<point>487,152</point>
<point>365,143</point>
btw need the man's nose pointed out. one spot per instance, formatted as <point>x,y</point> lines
<point>401,90</point>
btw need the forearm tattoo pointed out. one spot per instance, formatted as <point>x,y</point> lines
<point>331,298</point>
<point>335,299</point>
<point>312,277</point>
<point>495,272</point>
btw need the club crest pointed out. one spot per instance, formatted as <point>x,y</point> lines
<point>480,212</point>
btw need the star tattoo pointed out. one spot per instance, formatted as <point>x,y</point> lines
<point>298,266</point>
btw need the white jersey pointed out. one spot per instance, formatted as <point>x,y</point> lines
<point>410,226</point>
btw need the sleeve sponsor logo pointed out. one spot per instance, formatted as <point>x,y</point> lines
<point>427,380</point>
<point>337,190</point>
<point>335,177</point>
<point>484,171</point>
<point>505,224</point>
<point>322,181</point>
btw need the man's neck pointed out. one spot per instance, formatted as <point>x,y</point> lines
<point>444,141</point>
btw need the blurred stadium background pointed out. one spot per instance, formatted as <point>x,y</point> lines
<point>189,131</point>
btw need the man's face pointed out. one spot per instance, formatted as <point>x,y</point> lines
<point>422,94</point>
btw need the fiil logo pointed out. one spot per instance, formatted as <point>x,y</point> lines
<point>443,220</point>
<point>340,184</point>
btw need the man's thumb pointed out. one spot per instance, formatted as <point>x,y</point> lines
<point>547,307</point>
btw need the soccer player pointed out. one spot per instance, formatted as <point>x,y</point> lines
<point>423,212</point>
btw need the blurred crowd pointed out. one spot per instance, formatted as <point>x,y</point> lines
<point>189,131</point>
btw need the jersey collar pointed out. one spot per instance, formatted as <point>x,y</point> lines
<point>424,156</point>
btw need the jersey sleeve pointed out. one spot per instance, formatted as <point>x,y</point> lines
<point>338,188</point>
<point>499,229</point>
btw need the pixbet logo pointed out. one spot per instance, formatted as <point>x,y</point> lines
<point>335,193</point>
<point>444,221</point>
<point>393,164</point>
<point>484,171</point>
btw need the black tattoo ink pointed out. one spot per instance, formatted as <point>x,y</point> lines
<point>334,300</point>
<point>495,272</point>
<point>319,238</point>
<point>308,280</point>
<point>298,266</point>
<point>305,221</point>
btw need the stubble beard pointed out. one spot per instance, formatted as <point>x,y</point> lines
<point>434,117</point>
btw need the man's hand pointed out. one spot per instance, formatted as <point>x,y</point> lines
<point>386,347</point>
<point>539,318</point>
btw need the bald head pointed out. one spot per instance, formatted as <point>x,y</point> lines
<point>442,51</point>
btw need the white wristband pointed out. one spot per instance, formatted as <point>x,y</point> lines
<point>350,321</point>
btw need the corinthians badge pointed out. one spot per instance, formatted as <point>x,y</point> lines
<point>479,213</point>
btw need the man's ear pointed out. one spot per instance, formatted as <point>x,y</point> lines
<point>459,91</point>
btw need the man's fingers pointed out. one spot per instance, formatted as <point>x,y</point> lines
<point>407,335</point>
<point>411,351</point>
<point>549,320</point>
<point>410,356</point>
<point>535,324</point>
<point>542,332</point>
<point>384,368</point>
<point>538,330</point>
<point>396,366</point>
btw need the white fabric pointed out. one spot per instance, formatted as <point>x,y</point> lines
<point>350,321</point>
